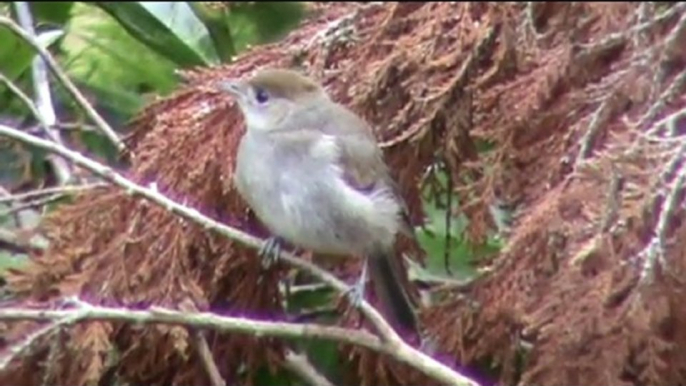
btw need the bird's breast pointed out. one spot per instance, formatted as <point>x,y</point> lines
<point>305,200</point>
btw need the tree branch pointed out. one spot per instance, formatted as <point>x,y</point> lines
<point>300,365</point>
<point>41,86</point>
<point>207,360</point>
<point>57,190</point>
<point>399,348</point>
<point>205,320</point>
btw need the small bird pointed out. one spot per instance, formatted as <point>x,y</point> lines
<point>314,175</point>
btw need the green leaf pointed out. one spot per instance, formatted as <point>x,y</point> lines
<point>15,261</point>
<point>433,241</point>
<point>281,377</point>
<point>99,144</point>
<point>438,241</point>
<point>16,55</point>
<point>97,53</point>
<point>217,22</point>
<point>325,357</point>
<point>262,22</point>
<point>169,28</point>
<point>51,12</point>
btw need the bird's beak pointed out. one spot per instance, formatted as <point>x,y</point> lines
<point>231,86</point>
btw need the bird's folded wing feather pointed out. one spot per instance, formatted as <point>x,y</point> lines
<point>358,154</point>
<point>362,162</point>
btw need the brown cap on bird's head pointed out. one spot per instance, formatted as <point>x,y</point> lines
<point>285,83</point>
<point>270,96</point>
<point>280,83</point>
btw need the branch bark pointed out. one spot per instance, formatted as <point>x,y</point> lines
<point>45,112</point>
<point>203,320</point>
<point>300,365</point>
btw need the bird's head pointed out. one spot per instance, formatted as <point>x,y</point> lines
<point>268,97</point>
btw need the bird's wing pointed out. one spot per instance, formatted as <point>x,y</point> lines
<point>358,153</point>
<point>362,160</point>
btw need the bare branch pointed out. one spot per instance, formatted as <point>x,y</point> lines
<point>300,365</point>
<point>206,320</point>
<point>66,82</point>
<point>666,97</point>
<point>18,218</point>
<point>599,119</point>
<point>58,190</point>
<point>26,100</point>
<point>207,360</point>
<point>32,338</point>
<point>654,251</point>
<point>41,86</point>
<point>399,348</point>
<point>60,165</point>
<point>44,110</point>
<point>612,39</point>
<point>38,202</point>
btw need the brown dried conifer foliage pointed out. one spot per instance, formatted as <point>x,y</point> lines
<point>568,93</point>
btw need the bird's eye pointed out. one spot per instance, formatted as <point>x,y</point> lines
<point>261,96</point>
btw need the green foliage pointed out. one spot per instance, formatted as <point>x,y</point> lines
<point>171,29</point>
<point>11,261</point>
<point>262,22</point>
<point>438,241</point>
<point>325,357</point>
<point>111,64</point>
<point>16,55</point>
<point>118,51</point>
<point>51,13</point>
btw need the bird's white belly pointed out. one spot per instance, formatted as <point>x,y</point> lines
<point>313,208</point>
<point>305,219</point>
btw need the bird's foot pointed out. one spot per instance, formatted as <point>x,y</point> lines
<point>270,251</point>
<point>356,292</point>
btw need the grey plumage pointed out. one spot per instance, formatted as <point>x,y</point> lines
<point>314,175</point>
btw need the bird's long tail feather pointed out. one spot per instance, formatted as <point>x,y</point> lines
<point>394,300</point>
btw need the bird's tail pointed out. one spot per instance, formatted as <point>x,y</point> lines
<point>385,273</point>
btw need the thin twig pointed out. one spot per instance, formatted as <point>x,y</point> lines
<point>654,251</point>
<point>207,360</point>
<point>28,341</point>
<point>666,97</point>
<point>203,320</point>
<point>614,38</point>
<point>61,190</point>
<point>399,349</point>
<point>191,214</point>
<point>25,99</point>
<point>599,120</point>
<point>16,350</point>
<point>61,168</point>
<point>301,366</point>
<point>18,220</point>
<point>66,82</point>
<point>41,87</point>
<point>38,202</point>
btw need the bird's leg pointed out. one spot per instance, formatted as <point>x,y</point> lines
<point>270,251</point>
<point>356,292</point>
